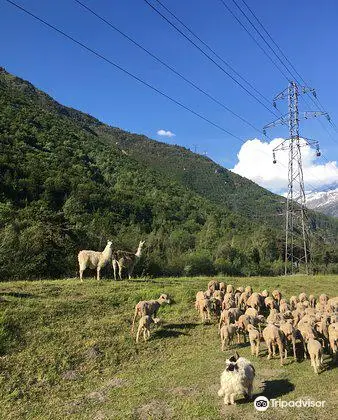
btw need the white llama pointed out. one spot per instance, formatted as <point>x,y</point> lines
<point>128,260</point>
<point>95,259</point>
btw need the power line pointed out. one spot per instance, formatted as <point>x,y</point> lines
<point>208,56</point>
<point>213,51</point>
<point>254,39</point>
<point>102,57</point>
<point>155,57</point>
<point>294,69</point>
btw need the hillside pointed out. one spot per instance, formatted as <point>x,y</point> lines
<point>70,182</point>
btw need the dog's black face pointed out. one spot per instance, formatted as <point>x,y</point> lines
<point>234,358</point>
<point>231,367</point>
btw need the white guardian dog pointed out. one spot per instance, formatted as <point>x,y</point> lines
<point>236,379</point>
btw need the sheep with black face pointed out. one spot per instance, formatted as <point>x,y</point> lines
<point>236,379</point>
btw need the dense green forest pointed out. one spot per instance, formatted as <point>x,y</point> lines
<point>69,182</point>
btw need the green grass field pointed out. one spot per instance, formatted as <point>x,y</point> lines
<point>67,352</point>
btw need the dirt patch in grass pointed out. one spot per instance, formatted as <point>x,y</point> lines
<point>153,410</point>
<point>70,375</point>
<point>184,391</point>
<point>270,373</point>
<point>116,383</point>
<point>97,396</point>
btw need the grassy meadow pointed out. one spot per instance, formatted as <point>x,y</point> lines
<point>66,352</point>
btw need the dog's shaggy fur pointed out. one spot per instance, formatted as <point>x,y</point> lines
<point>236,379</point>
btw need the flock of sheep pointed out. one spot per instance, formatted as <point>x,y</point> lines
<point>255,317</point>
<point>280,323</point>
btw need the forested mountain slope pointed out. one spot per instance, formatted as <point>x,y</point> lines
<point>68,182</point>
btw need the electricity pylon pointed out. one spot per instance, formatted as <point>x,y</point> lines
<point>297,243</point>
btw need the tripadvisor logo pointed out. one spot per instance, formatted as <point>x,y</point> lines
<point>262,403</point>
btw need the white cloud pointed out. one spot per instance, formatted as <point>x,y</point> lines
<point>165,133</point>
<point>255,163</point>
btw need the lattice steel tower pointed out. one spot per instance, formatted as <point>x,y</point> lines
<point>297,243</point>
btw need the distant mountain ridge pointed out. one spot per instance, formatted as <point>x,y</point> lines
<point>325,202</point>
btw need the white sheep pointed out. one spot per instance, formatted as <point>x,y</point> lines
<point>227,335</point>
<point>316,354</point>
<point>144,326</point>
<point>94,259</point>
<point>273,337</point>
<point>254,338</point>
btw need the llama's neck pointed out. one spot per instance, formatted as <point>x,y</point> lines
<point>107,252</point>
<point>139,251</point>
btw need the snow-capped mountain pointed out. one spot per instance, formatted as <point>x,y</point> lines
<point>324,201</point>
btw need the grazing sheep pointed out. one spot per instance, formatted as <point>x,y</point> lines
<point>228,301</point>
<point>270,303</point>
<point>237,378</point>
<point>293,302</point>
<point>306,331</point>
<point>227,335</point>
<point>312,301</point>
<point>307,319</point>
<point>273,337</point>
<point>235,312</point>
<point>254,338</point>
<point>296,315</point>
<point>321,328</point>
<point>276,294</point>
<point>217,301</point>
<point>248,289</point>
<point>332,305</point>
<point>323,298</point>
<point>333,338</point>
<point>94,259</point>
<point>208,293</point>
<point>204,306</point>
<point>290,335</point>
<point>200,295</point>
<point>225,318</point>
<point>149,307</point>
<point>287,315</point>
<point>300,306</point>
<point>302,297</point>
<point>254,301</point>
<point>237,296</point>
<point>274,317</point>
<point>243,299</point>
<point>258,321</point>
<point>241,324</point>
<point>222,286</point>
<point>144,327</point>
<point>251,312</point>
<point>213,285</point>
<point>230,289</point>
<point>316,354</point>
<point>127,260</point>
<point>265,294</point>
<point>283,306</point>
<point>306,304</point>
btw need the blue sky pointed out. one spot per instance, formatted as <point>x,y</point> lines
<point>76,78</point>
